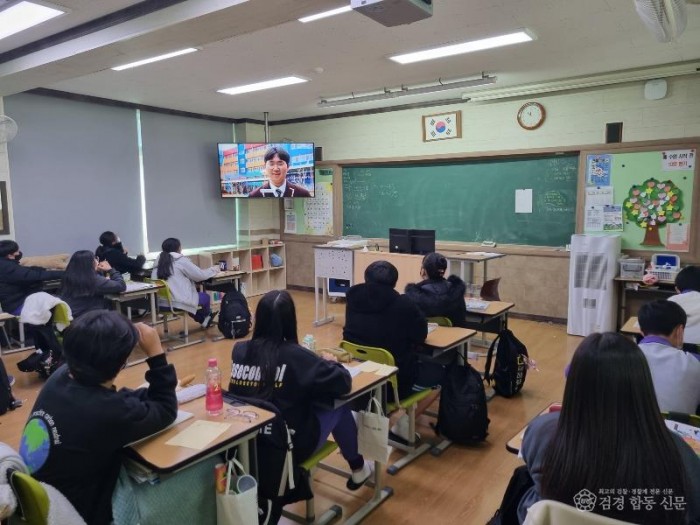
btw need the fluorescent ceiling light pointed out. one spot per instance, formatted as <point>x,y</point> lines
<point>258,86</point>
<point>24,15</point>
<point>405,91</point>
<point>155,59</point>
<point>465,47</point>
<point>326,14</point>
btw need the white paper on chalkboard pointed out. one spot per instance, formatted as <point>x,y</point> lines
<point>523,201</point>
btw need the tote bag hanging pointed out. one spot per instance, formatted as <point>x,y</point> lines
<point>238,505</point>
<point>373,433</point>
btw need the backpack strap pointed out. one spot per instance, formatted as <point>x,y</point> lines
<point>488,375</point>
<point>288,470</point>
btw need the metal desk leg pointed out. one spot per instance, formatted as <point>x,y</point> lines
<point>485,277</point>
<point>324,302</point>
<point>154,308</point>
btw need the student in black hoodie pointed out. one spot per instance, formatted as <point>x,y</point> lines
<point>437,296</point>
<point>273,366</point>
<point>80,422</point>
<point>86,282</point>
<point>18,282</point>
<point>112,251</point>
<point>377,315</point>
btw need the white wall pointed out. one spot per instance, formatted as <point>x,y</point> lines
<point>573,119</point>
<point>5,176</point>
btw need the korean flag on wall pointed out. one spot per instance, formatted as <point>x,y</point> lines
<point>442,126</point>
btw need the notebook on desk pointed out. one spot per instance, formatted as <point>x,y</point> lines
<point>474,304</point>
<point>135,286</point>
<point>181,416</point>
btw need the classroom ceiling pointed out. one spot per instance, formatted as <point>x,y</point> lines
<point>249,41</point>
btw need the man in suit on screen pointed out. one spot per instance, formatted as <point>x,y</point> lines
<point>277,185</point>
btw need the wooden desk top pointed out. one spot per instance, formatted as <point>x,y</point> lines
<point>446,337</point>
<point>513,445</point>
<point>493,309</point>
<point>639,281</point>
<point>227,274</point>
<point>474,256</point>
<point>163,458</point>
<point>631,327</point>
<point>362,383</point>
<point>147,288</point>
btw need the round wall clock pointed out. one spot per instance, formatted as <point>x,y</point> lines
<point>531,115</point>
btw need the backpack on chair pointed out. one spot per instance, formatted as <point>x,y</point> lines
<point>512,361</point>
<point>234,316</point>
<point>463,415</point>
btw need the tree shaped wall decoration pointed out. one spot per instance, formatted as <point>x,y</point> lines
<point>652,205</point>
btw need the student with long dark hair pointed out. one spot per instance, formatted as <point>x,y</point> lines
<point>273,366</point>
<point>86,282</point>
<point>112,250</point>
<point>437,296</point>
<point>181,275</point>
<point>610,437</point>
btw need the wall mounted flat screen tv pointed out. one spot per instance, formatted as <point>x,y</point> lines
<point>258,170</point>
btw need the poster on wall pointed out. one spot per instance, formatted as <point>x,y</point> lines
<point>681,159</point>
<point>598,170</point>
<point>315,216</point>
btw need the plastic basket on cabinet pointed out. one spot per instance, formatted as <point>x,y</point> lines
<point>631,268</point>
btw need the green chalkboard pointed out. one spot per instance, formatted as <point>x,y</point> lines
<point>469,201</point>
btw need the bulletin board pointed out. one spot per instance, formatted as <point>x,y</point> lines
<point>312,216</point>
<point>647,197</point>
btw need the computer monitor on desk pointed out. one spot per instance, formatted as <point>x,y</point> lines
<point>399,240</point>
<point>422,241</point>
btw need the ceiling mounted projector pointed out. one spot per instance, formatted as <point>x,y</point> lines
<point>392,13</point>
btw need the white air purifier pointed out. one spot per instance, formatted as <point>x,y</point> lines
<point>592,292</point>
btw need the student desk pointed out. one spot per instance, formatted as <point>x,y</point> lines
<point>513,445</point>
<point>154,453</point>
<point>137,290</point>
<point>492,319</point>
<point>361,384</point>
<point>470,259</point>
<point>224,277</point>
<point>631,327</point>
<point>330,262</point>
<point>637,289</point>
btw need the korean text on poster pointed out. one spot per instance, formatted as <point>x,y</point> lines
<point>680,159</point>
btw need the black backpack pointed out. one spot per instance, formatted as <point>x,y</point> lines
<point>463,416</point>
<point>7,400</point>
<point>507,513</point>
<point>512,361</point>
<point>234,316</point>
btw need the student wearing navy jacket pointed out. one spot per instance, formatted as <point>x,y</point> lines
<point>80,422</point>
<point>274,367</point>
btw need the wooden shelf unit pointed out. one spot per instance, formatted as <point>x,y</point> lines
<point>254,282</point>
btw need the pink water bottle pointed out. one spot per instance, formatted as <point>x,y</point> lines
<point>214,400</point>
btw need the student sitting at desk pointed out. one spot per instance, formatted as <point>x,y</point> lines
<point>112,251</point>
<point>273,366</point>
<point>80,422</point>
<point>181,275</point>
<point>86,282</point>
<point>688,287</point>
<point>19,282</point>
<point>377,315</point>
<point>610,437</point>
<point>437,296</point>
<point>676,374</point>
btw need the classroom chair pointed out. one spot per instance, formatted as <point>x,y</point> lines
<point>440,321</point>
<point>549,512</point>
<point>170,313</point>
<point>4,317</point>
<point>379,355</point>
<point>489,290</point>
<point>310,465</point>
<point>32,499</point>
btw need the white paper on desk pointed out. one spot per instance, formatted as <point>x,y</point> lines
<point>182,415</point>
<point>523,201</point>
<point>199,434</point>
<point>354,370</point>
<point>368,366</point>
<point>384,370</point>
<point>599,196</point>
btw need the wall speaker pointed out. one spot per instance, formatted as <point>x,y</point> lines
<point>613,132</point>
<point>318,153</point>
